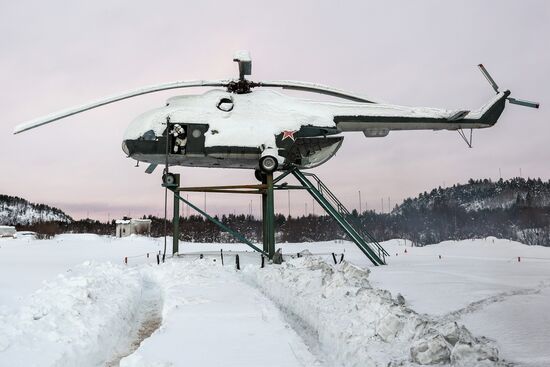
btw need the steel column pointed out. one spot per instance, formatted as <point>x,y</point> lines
<point>176,224</point>
<point>264,218</point>
<point>270,216</point>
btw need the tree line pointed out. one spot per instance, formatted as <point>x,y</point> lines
<point>515,209</point>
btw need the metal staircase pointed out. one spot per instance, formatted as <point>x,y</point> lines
<point>330,203</point>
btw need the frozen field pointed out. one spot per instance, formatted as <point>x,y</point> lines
<point>72,301</point>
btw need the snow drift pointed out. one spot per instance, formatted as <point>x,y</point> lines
<point>85,317</point>
<point>358,325</point>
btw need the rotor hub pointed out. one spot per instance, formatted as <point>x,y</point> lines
<point>241,86</point>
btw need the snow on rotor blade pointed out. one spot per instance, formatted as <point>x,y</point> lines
<point>315,88</point>
<point>119,97</point>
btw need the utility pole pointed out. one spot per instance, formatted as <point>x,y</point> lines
<point>360,209</point>
<point>305,209</point>
<point>313,206</point>
<point>382,205</point>
<point>288,192</point>
<point>520,175</point>
<point>389,206</point>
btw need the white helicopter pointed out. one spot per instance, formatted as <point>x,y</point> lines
<point>245,124</point>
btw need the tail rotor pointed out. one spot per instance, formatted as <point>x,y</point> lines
<point>521,102</point>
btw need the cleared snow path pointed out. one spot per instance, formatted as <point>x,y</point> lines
<point>147,320</point>
<point>212,318</point>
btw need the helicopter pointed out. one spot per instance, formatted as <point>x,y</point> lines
<point>247,124</point>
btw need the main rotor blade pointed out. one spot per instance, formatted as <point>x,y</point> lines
<point>311,87</point>
<point>119,97</point>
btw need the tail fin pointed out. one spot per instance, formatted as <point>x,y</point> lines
<point>490,113</point>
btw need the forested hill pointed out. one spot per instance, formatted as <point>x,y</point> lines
<point>483,194</point>
<point>17,211</point>
<point>516,209</point>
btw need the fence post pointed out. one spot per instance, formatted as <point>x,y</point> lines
<point>237,262</point>
<point>221,255</point>
<point>263,260</point>
<point>126,260</point>
<point>334,258</point>
<point>341,258</point>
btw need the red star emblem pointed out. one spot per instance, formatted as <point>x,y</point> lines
<point>289,134</point>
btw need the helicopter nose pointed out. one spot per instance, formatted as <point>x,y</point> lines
<point>125,148</point>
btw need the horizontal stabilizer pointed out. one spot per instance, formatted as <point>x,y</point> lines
<point>459,115</point>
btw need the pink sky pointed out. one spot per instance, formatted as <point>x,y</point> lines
<point>57,54</point>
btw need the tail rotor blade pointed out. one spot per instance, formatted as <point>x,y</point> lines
<point>488,77</point>
<point>523,102</point>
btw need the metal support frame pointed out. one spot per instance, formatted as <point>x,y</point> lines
<point>235,234</point>
<point>328,201</point>
<point>467,140</point>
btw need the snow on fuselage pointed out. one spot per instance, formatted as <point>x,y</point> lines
<point>224,129</point>
<point>233,130</point>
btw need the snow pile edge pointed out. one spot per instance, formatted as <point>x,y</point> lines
<point>358,325</point>
<point>82,318</point>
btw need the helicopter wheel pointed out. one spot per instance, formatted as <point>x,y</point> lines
<point>268,164</point>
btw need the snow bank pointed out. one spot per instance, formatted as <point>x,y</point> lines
<point>358,325</point>
<point>81,318</point>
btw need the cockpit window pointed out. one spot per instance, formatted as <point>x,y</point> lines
<point>149,135</point>
<point>225,104</point>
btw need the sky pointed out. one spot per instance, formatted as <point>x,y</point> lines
<point>58,54</point>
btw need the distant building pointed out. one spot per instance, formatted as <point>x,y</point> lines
<point>26,234</point>
<point>7,231</point>
<point>127,226</point>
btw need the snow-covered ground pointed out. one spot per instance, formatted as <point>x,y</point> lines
<point>72,301</point>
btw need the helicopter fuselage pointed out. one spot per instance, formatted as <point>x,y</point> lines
<point>222,129</point>
<point>230,130</point>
